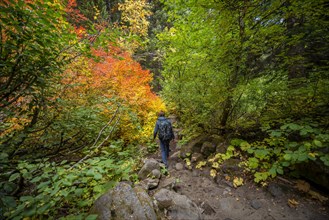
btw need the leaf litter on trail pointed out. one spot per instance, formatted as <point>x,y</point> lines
<point>304,186</point>
<point>237,181</point>
<point>293,203</point>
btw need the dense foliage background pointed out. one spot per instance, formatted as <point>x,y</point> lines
<point>253,70</point>
<point>78,103</point>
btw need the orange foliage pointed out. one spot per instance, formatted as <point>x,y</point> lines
<point>118,76</point>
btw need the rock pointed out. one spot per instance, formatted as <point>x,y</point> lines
<point>207,149</point>
<point>179,207</point>
<point>156,174</point>
<point>151,183</point>
<point>149,166</point>
<point>227,190</point>
<point>175,156</point>
<point>179,166</point>
<point>207,209</point>
<point>256,204</point>
<point>168,183</point>
<point>229,204</point>
<point>221,148</point>
<point>194,146</point>
<point>315,171</point>
<point>275,190</point>
<point>196,157</point>
<point>124,202</point>
<point>231,166</point>
<point>195,173</point>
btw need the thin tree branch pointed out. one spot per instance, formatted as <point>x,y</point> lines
<point>101,144</point>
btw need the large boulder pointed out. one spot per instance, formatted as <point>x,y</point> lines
<point>208,148</point>
<point>124,202</point>
<point>316,172</point>
<point>179,207</point>
<point>193,146</point>
<point>148,169</point>
<point>196,145</point>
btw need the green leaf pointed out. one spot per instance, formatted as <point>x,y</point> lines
<point>92,217</point>
<point>325,159</point>
<point>276,133</point>
<point>279,170</point>
<point>14,177</point>
<point>36,179</point>
<point>63,162</point>
<point>3,157</point>
<point>90,172</point>
<point>41,210</point>
<point>261,176</point>
<point>98,176</point>
<point>244,145</point>
<point>287,156</point>
<point>285,164</point>
<point>277,150</point>
<point>253,162</point>
<point>317,143</point>
<point>42,185</point>
<point>272,171</point>
<point>26,198</point>
<point>27,175</point>
<point>78,192</point>
<point>261,154</point>
<point>294,127</point>
<point>302,157</point>
<point>9,201</point>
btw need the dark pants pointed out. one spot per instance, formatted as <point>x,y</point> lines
<point>164,145</point>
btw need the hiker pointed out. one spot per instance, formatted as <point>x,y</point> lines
<point>165,133</point>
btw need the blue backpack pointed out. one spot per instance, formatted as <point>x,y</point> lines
<point>165,130</point>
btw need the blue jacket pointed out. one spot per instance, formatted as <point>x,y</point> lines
<point>156,129</point>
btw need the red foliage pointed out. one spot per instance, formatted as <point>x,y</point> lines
<point>74,13</point>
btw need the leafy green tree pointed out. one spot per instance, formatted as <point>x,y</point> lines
<point>233,63</point>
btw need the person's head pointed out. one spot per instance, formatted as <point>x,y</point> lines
<point>161,114</point>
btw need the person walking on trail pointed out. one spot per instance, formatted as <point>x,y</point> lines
<point>165,133</point>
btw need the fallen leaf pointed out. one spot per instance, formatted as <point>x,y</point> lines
<point>213,173</point>
<point>237,181</point>
<point>303,186</point>
<point>292,203</point>
<point>316,195</point>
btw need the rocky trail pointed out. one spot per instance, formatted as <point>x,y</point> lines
<point>187,193</point>
<point>219,199</point>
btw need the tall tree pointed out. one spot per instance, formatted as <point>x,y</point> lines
<point>233,59</point>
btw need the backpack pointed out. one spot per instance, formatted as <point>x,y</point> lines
<point>165,130</point>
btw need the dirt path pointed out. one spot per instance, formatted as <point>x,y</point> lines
<point>220,200</point>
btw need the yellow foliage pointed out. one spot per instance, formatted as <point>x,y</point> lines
<point>213,173</point>
<point>135,13</point>
<point>134,21</point>
<point>215,165</point>
<point>237,181</point>
<point>13,124</point>
<point>201,164</point>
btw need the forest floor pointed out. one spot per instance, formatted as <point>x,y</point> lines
<point>220,200</point>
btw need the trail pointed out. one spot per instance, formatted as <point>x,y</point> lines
<point>220,200</point>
